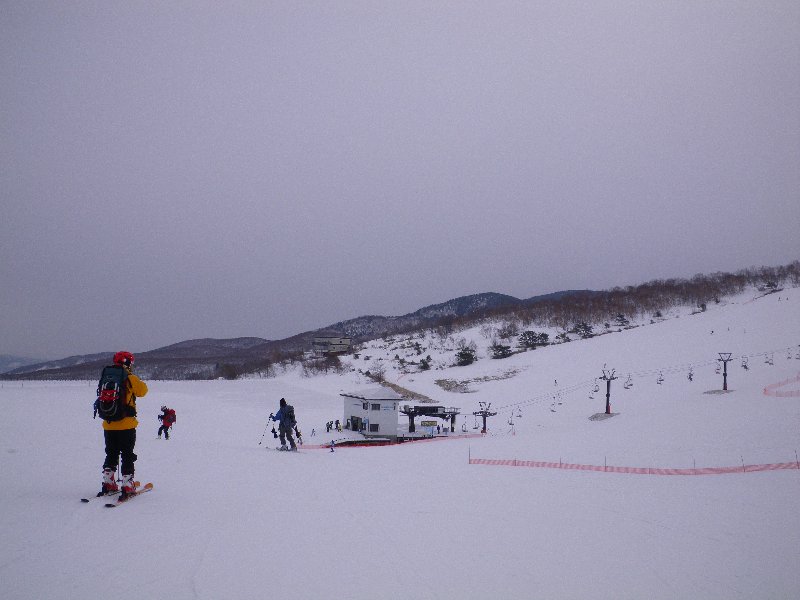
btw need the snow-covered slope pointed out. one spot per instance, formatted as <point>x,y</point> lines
<point>232,518</point>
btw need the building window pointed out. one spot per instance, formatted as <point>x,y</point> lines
<point>365,406</point>
<point>376,407</point>
<point>373,428</point>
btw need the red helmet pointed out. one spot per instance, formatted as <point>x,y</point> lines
<point>123,358</point>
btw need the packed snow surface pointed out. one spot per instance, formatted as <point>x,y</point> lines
<point>232,518</point>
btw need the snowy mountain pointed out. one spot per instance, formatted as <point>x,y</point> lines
<point>9,362</point>
<point>206,347</point>
<point>176,361</point>
<point>207,358</point>
<point>563,314</point>
<point>35,370</point>
<point>370,327</point>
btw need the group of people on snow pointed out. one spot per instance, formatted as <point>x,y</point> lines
<point>119,432</point>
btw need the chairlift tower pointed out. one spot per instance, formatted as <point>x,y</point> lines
<point>608,377</point>
<point>724,358</point>
<point>484,412</point>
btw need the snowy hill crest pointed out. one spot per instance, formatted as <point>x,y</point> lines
<point>565,313</point>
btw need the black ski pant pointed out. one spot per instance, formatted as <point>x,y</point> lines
<point>165,430</point>
<point>120,443</point>
<point>286,432</point>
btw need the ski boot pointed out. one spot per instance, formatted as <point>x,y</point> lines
<point>128,486</point>
<point>283,448</point>
<point>109,485</point>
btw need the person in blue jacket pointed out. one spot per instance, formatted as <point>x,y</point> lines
<point>286,422</point>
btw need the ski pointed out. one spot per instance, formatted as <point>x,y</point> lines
<point>146,488</point>
<point>108,495</point>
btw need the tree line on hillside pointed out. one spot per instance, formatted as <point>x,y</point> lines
<point>580,313</point>
<point>575,313</point>
<point>650,299</point>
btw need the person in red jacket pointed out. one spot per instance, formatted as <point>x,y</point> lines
<point>167,418</point>
<point>120,435</point>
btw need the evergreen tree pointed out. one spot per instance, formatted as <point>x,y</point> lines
<point>465,356</point>
<point>500,350</point>
<point>527,340</point>
<point>531,339</point>
<point>621,321</point>
<point>583,329</point>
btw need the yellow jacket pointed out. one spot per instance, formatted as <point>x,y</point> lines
<point>134,388</point>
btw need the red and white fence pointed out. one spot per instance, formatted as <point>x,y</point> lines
<point>774,388</point>
<point>635,470</point>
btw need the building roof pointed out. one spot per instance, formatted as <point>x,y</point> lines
<point>374,393</point>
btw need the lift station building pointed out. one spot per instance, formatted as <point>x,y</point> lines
<point>373,411</point>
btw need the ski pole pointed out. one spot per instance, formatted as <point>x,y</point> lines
<point>265,431</point>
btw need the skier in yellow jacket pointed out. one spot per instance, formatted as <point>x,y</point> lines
<point>120,436</point>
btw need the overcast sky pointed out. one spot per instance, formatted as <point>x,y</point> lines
<point>178,170</point>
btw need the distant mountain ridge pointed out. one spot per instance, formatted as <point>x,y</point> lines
<point>202,358</point>
<point>207,347</point>
<point>9,362</point>
<point>62,363</point>
<point>209,358</point>
<point>370,327</point>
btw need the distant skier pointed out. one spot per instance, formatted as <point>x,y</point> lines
<point>286,423</point>
<point>167,418</point>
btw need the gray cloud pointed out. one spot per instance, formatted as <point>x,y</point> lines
<point>190,170</point>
